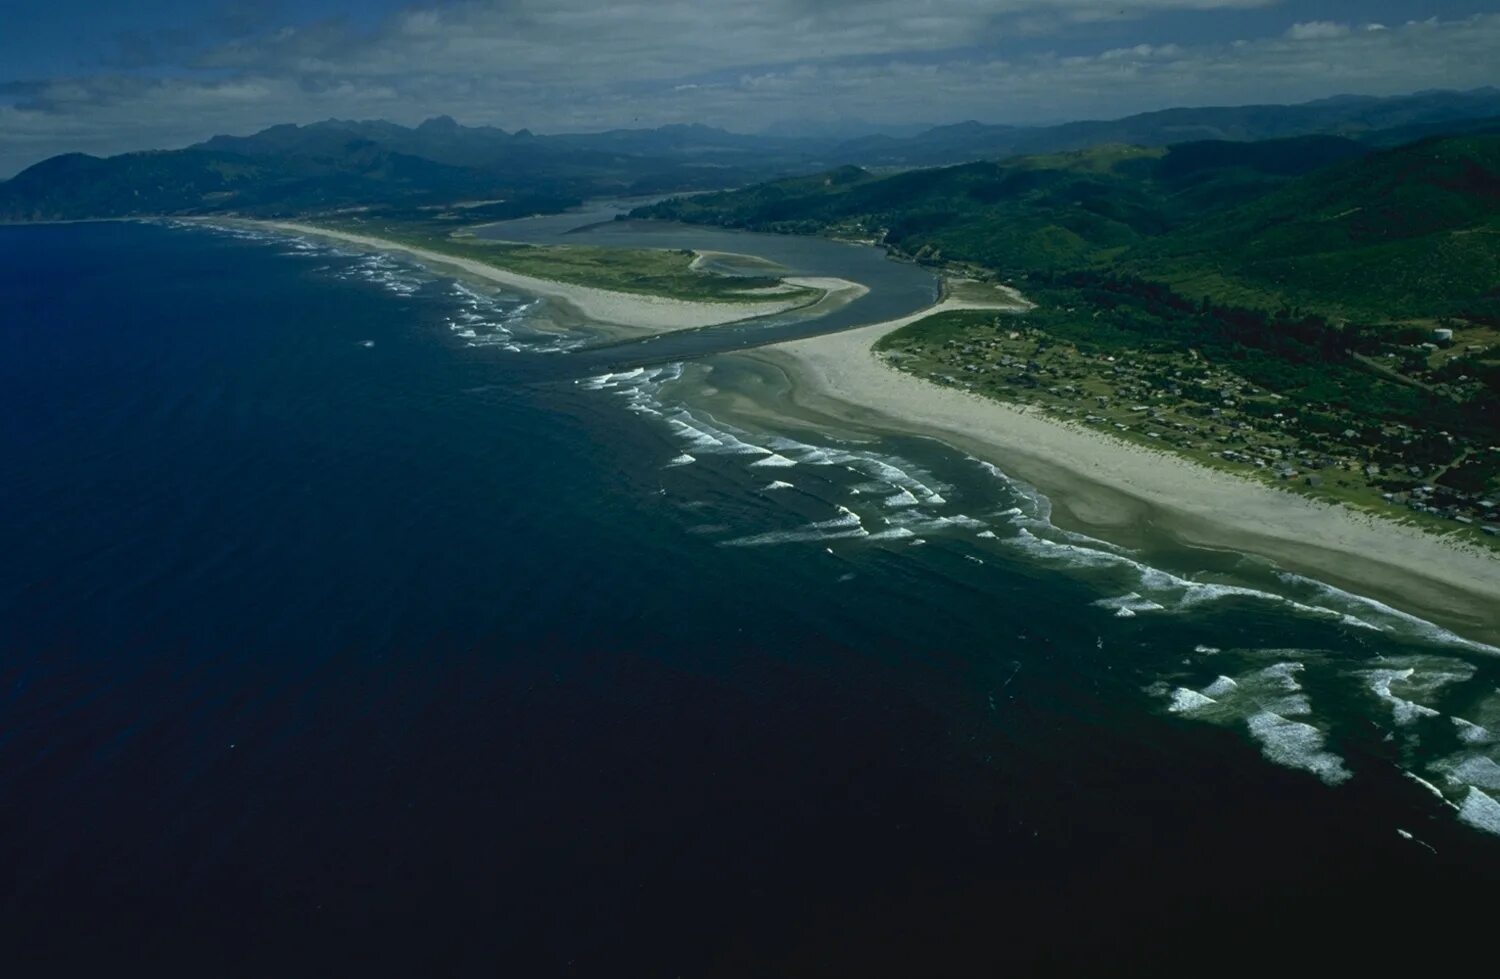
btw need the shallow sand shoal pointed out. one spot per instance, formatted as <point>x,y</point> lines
<point>655,314</point>
<point>1114,488</point>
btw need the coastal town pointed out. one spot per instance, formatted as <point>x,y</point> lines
<point>1188,404</point>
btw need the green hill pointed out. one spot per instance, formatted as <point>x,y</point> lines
<point>1319,222</point>
<point>1305,277</point>
<point>1057,211</point>
<point>1410,232</point>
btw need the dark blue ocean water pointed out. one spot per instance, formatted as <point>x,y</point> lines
<point>332,644</point>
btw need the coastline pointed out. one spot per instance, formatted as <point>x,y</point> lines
<point>641,314</point>
<point>1101,486</point>
<point>1117,491</point>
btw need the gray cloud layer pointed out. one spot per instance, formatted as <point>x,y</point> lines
<point>571,64</point>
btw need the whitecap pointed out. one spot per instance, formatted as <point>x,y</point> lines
<point>1404,711</point>
<point>901,499</point>
<point>1429,787</point>
<point>1130,603</point>
<point>1185,701</point>
<point>1419,679</point>
<point>1220,687</point>
<point>846,525</point>
<point>1481,811</point>
<point>1377,615</point>
<point>681,460</point>
<point>1296,745</point>
<point>794,537</point>
<point>1475,770</point>
<point>1471,733</point>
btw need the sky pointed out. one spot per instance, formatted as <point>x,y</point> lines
<point>107,76</point>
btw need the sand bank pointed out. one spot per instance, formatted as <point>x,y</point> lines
<point>1115,489</point>
<point>640,313</point>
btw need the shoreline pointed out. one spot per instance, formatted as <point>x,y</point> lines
<point>1117,491</point>
<point>1114,490</point>
<point>643,314</point>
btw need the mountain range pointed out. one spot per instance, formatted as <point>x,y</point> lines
<point>340,165</point>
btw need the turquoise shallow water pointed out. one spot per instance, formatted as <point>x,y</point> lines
<point>347,627</point>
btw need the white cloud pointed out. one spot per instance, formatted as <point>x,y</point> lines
<point>1317,30</point>
<point>571,64</point>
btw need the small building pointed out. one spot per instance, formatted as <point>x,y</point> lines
<point>1443,335</point>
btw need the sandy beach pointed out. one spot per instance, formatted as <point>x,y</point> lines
<point>1116,490</point>
<point>642,314</point>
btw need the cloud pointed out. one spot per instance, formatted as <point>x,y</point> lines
<point>559,39</point>
<point>1317,30</point>
<point>558,65</point>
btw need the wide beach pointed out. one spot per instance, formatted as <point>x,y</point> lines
<point>1124,492</point>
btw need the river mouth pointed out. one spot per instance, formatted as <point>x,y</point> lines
<point>895,288</point>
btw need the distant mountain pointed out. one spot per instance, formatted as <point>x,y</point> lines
<point>340,164</point>
<point>1357,117</point>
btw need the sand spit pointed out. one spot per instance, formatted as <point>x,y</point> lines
<point>642,313</point>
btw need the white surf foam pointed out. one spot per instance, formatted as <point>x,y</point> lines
<point>1132,603</point>
<point>1481,812</point>
<point>1296,745</point>
<point>1471,733</point>
<point>1185,701</point>
<point>1377,615</point>
<point>846,525</point>
<point>1220,687</point>
<point>1403,711</point>
<point>901,499</point>
<point>1479,771</point>
<point>1430,788</point>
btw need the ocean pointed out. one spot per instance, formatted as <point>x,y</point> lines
<point>351,623</point>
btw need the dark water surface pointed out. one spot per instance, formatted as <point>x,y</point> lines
<point>333,643</point>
